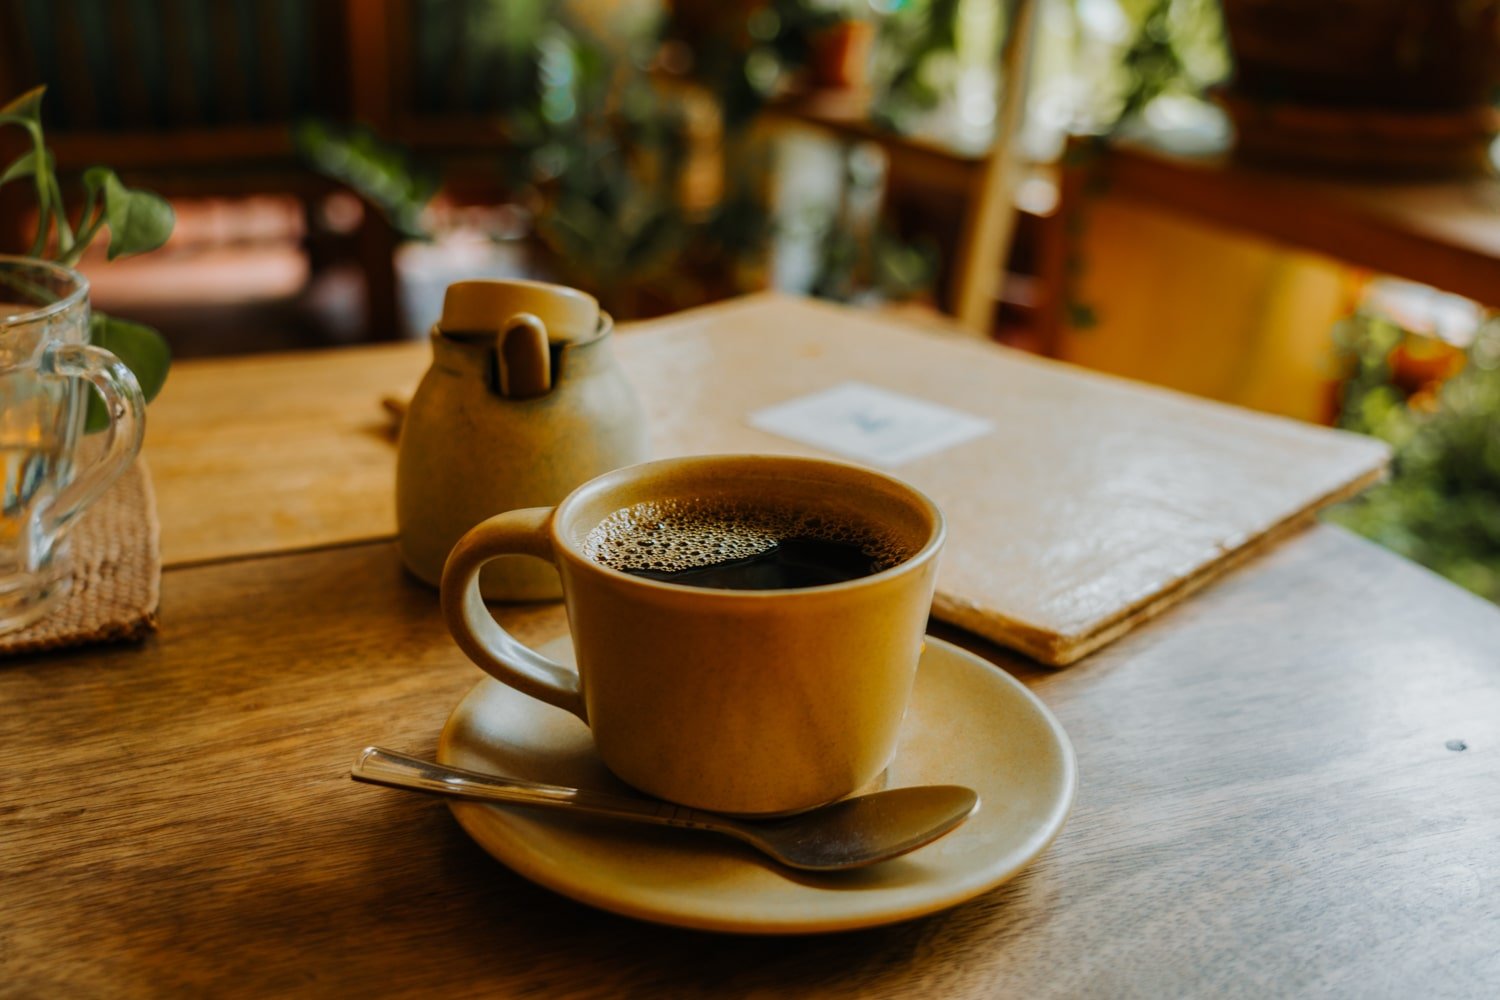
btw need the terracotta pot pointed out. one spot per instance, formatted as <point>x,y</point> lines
<point>841,55</point>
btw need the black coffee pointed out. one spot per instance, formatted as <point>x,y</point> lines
<point>736,545</point>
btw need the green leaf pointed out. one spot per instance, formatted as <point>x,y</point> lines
<point>28,105</point>
<point>138,220</point>
<point>142,349</point>
<point>23,166</point>
<point>65,241</point>
<point>380,172</point>
<point>26,112</point>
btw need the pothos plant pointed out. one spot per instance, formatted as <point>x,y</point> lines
<point>137,221</point>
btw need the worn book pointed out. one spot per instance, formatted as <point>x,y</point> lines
<point>1079,504</point>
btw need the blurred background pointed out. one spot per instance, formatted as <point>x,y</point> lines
<point>1285,205</point>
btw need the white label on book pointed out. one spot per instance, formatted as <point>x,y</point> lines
<point>869,424</point>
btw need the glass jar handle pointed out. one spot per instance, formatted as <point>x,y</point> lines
<point>127,425</point>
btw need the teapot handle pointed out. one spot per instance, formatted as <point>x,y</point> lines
<point>522,357</point>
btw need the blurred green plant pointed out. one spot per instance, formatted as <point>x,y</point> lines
<point>610,173</point>
<point>1439,408</point>
<point>1118,56</point>
<point>137,221</point>
<point>599,149</point>
<point>1175,48</point>
<point>1172,49</point>
<point>861,256</point>
<point>1151,62</point>
<point>592,149</point>
<point>916,40</point>
<point>746,52</point>
<point>385,174</point>
<point>605,177</point>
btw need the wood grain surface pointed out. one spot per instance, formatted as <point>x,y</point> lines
<point>276,453</point>
<point>1271,804</point>
<point>1092,504</point>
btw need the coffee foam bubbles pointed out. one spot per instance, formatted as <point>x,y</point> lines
<point>682,534</point>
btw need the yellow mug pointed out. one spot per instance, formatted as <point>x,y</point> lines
<point>754,702</point>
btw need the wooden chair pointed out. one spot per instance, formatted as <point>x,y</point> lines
<point>979,265</point>
<point>985,181</point>
<point>195,98</point>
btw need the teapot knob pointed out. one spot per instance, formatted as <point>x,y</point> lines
<point>522,358</point>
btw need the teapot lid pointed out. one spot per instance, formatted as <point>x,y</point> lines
<point>490,306</point>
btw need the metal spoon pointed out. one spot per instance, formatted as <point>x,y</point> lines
<point>849,833</point>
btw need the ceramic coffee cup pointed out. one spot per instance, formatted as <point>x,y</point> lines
<point>738,701</point>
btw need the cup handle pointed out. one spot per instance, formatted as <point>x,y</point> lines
<point>495,651</point>
<point>127,424</point>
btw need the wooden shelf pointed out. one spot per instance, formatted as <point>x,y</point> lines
<point>1441,233</point>
<point>915,160</point>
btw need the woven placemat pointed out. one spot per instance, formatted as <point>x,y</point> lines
<point>116,573</point>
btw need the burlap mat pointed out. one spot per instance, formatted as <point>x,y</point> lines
<point>116,573</point>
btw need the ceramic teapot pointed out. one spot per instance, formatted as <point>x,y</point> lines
<point>524,401</point>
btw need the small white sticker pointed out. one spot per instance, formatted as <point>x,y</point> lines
<point>869,424</point>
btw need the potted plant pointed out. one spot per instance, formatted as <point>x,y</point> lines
<point>1438,407</point>
<point>137,221</point>
<point>843,49</point>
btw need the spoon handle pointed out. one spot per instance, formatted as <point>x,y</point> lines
<point>378,766</point>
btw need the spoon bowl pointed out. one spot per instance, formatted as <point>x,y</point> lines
<point>849,833</point>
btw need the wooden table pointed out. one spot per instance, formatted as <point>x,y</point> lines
<point>1289,785</point>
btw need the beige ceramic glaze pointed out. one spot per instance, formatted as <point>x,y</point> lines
<point>524,401</point>
<point>737,701</point>
<point>969,723</point>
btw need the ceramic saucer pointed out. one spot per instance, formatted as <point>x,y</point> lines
<point>969,723</point>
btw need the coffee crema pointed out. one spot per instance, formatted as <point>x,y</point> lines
<point>742,544</point>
